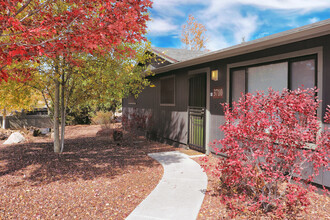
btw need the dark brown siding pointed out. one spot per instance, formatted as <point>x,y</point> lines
<point>171,121</point>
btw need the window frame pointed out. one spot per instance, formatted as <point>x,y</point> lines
<point>304,58</point>
<point>289,61</point>
<point>160,91</point>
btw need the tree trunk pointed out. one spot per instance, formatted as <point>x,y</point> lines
<point>57,148</point>
<point>4,118</point>
<point>62,112</point>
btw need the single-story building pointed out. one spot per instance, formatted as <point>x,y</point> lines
<point>38,117</point>
<point>183,104</point>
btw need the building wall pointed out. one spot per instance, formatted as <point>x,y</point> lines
<point>171,121</point>
<point>167,122</point>
<point>39,121</point>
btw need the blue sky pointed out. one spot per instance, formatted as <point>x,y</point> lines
<point>228,21</point>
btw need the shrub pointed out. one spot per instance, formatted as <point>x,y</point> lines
<point>137,120</point>
<point>327,115</point>
<point>103,118</point>
<point>269,139</point>
<point>80,115</point>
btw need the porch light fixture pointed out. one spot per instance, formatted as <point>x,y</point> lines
<point>214,75</point>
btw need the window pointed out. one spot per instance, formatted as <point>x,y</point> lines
<point>167,91</point>
<point>303,73</point>
<point>291,73</point>
<point>271,75</point>
<point>238,84</point>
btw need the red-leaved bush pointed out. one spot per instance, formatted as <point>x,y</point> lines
<point>135,120</point>
<point>270,140</point>
<point>327,115</point>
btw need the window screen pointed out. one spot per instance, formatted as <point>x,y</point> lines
<point>197,91</point>
<point>238,84</point>
<point>167,91</point>
<point>303,73</point>
<point>272,75</point>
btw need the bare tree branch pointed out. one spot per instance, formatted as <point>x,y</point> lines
<point>22,8</point>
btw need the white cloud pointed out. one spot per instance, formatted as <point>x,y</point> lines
<point>230,22</point>
<point>216,41</point>
<point>172,7</point>
<point>225,20</point>
<point>272,4</point>
<point>313,20</point>
<point>159,26</point>
<point>287,4</point>
<point>245,28</point>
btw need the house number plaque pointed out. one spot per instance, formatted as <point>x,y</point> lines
<point>218,93</point>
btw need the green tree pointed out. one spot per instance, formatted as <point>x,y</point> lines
<point>19,95</point>
<point>90,80</point>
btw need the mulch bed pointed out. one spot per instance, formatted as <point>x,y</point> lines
<point>95,177</point>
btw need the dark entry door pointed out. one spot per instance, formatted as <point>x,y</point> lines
<point>196,112</point>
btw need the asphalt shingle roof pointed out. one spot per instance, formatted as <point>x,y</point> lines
<point>174,55</point>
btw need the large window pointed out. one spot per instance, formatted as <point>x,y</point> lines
<point>291,74</point>
<point>271,75</point>
<point>167,91</point>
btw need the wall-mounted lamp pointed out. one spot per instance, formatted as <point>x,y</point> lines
<point>214,75</point>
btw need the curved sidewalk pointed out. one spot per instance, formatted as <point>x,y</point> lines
<point>179,194</point>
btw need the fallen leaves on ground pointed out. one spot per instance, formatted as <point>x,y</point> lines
<point>212,208</point>
<point>95,178</point>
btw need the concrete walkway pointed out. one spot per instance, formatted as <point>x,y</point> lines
<point>179,194</point>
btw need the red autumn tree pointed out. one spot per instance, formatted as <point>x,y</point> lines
<point>61,29</point>
<point>30,28</point>
<point>270,140</point>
